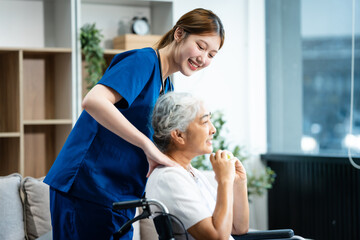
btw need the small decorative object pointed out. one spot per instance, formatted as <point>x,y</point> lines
<point>140,26</point>
<point>90,39</point>
<point>257,183</point>
<point>134,41</point>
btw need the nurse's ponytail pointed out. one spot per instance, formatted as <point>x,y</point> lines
<point>198,21</point>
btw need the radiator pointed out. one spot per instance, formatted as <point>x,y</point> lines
<point>318,197</point>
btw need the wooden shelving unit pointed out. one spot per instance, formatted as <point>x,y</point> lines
<point>37,83</point>
<point>36,118</point>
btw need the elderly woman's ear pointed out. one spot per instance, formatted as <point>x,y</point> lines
<point>177,137</point>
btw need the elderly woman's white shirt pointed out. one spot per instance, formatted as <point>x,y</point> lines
<point>190,198</point>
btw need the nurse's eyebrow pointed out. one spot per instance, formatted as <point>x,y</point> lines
<point>207,45</point>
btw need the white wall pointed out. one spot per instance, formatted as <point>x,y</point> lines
<point>35,23</point>
<point>235,80</point>
<point>21,20</point>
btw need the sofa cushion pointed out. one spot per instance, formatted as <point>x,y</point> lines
<point>36,207</point>
<point>11,210</point>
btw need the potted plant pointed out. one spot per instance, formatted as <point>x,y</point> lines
<point>90,38</point>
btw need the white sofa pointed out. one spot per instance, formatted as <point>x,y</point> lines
<point>24,207</point>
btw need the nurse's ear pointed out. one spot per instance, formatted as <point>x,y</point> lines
<point>177,137</point>
<point>179,34</point>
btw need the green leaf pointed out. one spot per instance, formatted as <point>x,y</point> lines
<point>90,38</point>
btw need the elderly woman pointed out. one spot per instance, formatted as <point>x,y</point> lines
<point>183,130</point>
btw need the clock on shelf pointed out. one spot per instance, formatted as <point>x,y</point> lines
<point>140,26</point>
<point>139,38</point>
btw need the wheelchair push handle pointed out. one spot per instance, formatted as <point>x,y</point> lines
<point>143,202</point>
<point>162,222</point>
<point>129,204</point>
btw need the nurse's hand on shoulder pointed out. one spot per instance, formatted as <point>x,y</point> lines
<point>155,158</point>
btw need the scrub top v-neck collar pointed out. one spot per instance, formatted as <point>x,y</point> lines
<point>167,80</point>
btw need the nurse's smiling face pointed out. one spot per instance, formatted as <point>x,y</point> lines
<point>195,52</point>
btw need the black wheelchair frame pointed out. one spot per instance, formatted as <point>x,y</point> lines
<point>164,229</point>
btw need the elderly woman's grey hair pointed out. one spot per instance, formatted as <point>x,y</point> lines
<point>173,111</point>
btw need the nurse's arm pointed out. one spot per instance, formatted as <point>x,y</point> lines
<point>99,103</point>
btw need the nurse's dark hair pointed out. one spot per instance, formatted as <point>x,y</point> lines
<point>173,111</point>
<point>198,21</point>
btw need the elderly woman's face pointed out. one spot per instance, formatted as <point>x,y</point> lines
<point>199,134</point>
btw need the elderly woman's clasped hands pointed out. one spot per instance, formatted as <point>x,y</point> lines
<point>227,167</point>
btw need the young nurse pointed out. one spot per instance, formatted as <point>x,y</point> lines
<point>109,153</point>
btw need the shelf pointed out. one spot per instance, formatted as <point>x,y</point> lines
<point>8,49</point>
<point>112,52</point>
<point>48,122</point>
<point>36,50</point>
<point>9,135</point>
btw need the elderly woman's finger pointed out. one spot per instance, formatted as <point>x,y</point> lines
<point>224,154</point>
<point>218,154</point>
<point>212,157</point>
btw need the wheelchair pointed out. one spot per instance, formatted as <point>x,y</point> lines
<point>162,221</point>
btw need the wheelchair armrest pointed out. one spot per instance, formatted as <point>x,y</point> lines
<point>268,234</point>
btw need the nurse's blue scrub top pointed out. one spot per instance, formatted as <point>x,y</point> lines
<point>96,164</point>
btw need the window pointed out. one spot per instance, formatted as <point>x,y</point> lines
<point>308,55</point>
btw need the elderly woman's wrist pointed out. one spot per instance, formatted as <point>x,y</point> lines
<point>226,182</point>
<point>240,180</point>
